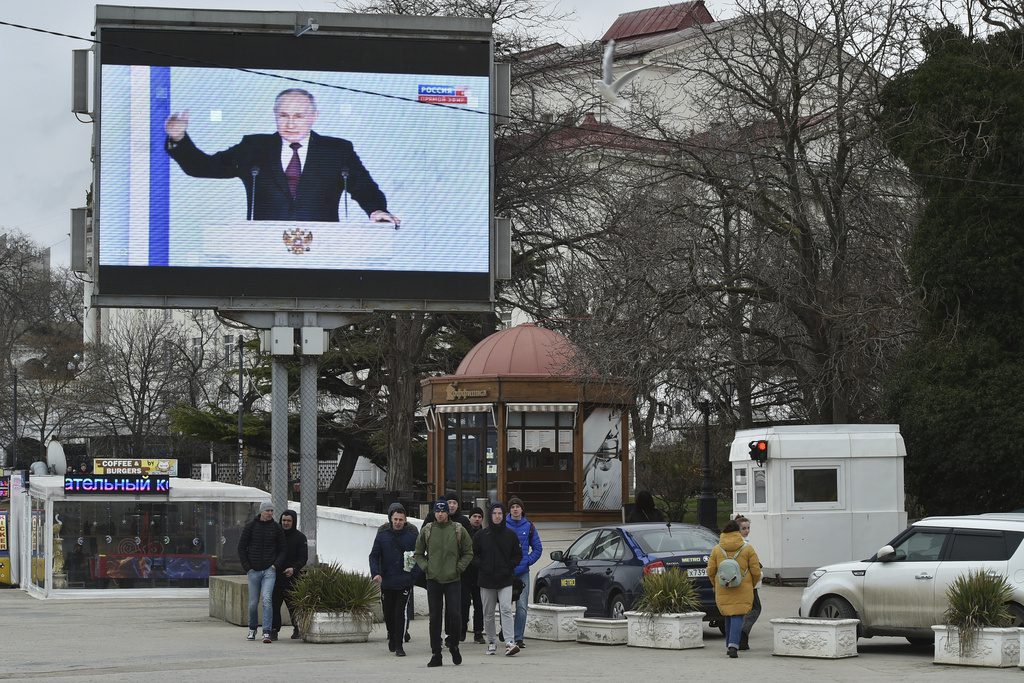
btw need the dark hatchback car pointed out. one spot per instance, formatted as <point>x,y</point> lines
<point>602,570</point>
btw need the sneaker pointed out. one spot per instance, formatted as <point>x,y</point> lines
<point>511,649</point>
<point>273,635</point>
<point>391,645</point>
<point>251,635</point>
<point>492,648</point>
<point>479,638</point>
<point>295,633</point>
<point>435,660</point>
<point>521,644</point>
<point>732,653</point>
<point>456,655</point>
<point>744,641</point>
<point>266,637</point>
<point>399,651</point>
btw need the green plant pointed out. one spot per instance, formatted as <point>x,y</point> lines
<point>329,588</point>
<point>977,599</point>
<point>669,592</point>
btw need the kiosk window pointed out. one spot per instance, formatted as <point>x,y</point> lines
<point>816,485</point>
<point>760,487</point>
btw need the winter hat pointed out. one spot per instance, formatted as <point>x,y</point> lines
<point>476,511</point>
<point>440,506</point>
<point>266,505</point>
<point>515,500</point>
<point>395,507</point>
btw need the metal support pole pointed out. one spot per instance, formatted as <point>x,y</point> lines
<point>279,435</point>
<point>707,505</point>
<point>14,422</point>
<point>241,442</point>
<point>308,474</point>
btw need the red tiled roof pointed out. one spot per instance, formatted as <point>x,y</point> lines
<point>521,350</point>
<point>654,20</point>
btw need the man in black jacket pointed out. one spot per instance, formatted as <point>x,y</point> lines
<point>496,553</point>
<point>296,554</point>
<point>387,567</point>
<point>470,589</point>
<point>260,550</point>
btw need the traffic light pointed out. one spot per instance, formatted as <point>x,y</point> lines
<point>759,451</point>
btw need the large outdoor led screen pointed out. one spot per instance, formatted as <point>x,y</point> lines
<point>275,166</point>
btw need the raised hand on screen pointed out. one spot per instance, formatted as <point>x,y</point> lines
<point>176,125</point>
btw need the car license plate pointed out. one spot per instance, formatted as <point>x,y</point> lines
<point>697,571</point>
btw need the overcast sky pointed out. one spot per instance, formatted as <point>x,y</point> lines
<point>46,170</point>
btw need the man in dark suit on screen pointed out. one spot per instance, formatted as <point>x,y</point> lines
<point>292,175</point>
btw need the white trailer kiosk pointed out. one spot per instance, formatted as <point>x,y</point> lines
<point>818,494</point>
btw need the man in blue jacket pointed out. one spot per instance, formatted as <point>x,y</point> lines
<point>387,567</point>
<point>529,541</point>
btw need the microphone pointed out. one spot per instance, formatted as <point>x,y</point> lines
<point>344,188</point>
<point>255,171</point>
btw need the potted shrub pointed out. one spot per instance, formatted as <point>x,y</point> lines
<point>333,605</point>
<point>976,631</point>
<point>665,615</point>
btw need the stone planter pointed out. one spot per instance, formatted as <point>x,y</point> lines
<point>553,622</point>
<point>338,627</point>
<point>665,631</point>
<point>995,647</point>
<point>602,631</point>
<point>822,638</point>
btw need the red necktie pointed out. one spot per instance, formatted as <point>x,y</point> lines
<point>294,169</point>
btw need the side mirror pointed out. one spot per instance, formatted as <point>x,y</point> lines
<point>885,553</point>
<point>557,555</point>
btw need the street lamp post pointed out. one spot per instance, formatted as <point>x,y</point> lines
<point>241,442</point>
<point>707,504</point>
<point>14,421</point>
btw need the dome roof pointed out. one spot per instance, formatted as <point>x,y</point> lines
<point>522,350</point>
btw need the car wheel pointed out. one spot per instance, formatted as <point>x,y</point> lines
<point>617,607</point>
<point>920,640</point>
<point>1017,613</point>
<point>541,597</point>
<point>835,608</point>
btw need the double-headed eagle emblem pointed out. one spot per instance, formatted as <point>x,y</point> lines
<point>297,241</point>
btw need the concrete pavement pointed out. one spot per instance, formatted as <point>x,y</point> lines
<point>158,640</point>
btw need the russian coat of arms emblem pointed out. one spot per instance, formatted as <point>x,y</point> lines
<point>297,241</point>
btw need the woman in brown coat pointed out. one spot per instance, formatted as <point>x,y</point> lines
<point>734,603</point>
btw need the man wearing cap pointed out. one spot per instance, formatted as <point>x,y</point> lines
<point>261,548</point>
<point>387,567</point>
<point>453,511</point>
<point>529,541</point>
<point>470,589</point>
<point>443,551</point>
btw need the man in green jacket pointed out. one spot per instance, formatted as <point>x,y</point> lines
<point>443,551</point>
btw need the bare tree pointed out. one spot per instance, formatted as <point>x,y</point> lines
<point>134,377</point>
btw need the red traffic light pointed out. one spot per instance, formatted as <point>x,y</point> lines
<point>758,450</point>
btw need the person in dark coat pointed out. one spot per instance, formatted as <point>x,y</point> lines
<point>452,501</point>
<point>496,554</point>
<point>387,567</point>
<point>644,509</point>
<point>470,589</point>
<point>260,550</point>
<point>296,554</point>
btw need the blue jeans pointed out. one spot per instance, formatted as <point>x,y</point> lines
<point>524,600</point>
<point>733,630</point>
<point>261,588</point>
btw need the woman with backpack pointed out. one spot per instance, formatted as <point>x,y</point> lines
<point>755,611</point>
<point>735,569</point>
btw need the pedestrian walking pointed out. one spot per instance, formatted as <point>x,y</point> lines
<point>734,569</point>
<point>388,569</point>
<point>443,551</point>
<point>644,509</point>
<point>529,542</point>
<point>755,611</point>
<point>261,549</point>
<point>470,589</point>
<point>296,554</point>
<point>496,554</point>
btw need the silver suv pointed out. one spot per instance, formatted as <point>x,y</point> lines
<point>901,590</point>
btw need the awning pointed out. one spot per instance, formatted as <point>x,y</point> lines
<point>542,407</point>
<point>464,408</point>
